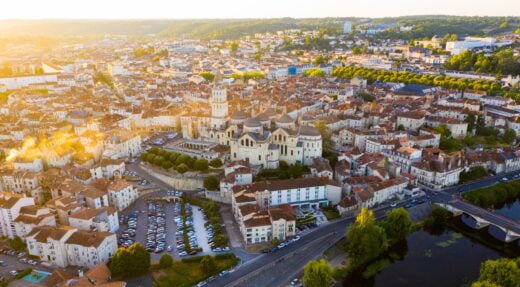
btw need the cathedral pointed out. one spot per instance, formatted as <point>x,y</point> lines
<point>263,140</point>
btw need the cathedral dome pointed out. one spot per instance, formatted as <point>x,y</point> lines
<point>252,123</point>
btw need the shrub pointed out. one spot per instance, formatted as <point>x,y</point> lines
<point>224,256</point>
<point>215,162</point>
<point>192,259</point>
<point>211,183</point>
<point>201,164</point>
<point>182,168</point>
<point>165,261</point>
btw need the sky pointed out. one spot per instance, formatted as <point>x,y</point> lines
<point>189,9</point>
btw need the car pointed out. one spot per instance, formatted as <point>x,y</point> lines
<point>32,262</point>
<point>294,281</point>
<point>408,205</point>
<point>2,263</point>
<point>505,179</point>
<point>393,204</point>
<point>13,273</point>
<point>266,250</point>
<point>281,245</point>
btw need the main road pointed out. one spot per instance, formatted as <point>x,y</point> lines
<point>279,267</point>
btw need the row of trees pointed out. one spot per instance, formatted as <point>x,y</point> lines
<point>447,82</point>
<point>246,76</point>
<point>502,62</point>
<point>211,208</point>
<point>494,195</point>
<point>284,171</point>
<point>314,72</point>
<point>473,173</point>
<point>366,241</point>
<point>180,162</point>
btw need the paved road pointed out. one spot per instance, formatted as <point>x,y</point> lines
<point>276,268</point>
<point>260,269</point>
<point>487,215</point>
<point>451,195</point>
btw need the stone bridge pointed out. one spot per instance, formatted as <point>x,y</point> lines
<point>483,217</point>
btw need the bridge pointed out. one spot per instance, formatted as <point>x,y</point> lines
<point>483,217</point>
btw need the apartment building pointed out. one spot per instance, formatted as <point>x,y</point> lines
<point>10,206</point>
<point>121,194</point>
<point>96,219</point>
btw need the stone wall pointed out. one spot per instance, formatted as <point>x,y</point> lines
<point>187,181</point>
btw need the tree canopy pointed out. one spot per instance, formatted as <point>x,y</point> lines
<point>130,261</point>
<point>397,224</point>
<point>502,272</point>
<point>211,183</point>
<point>317,273</point>
<point>365,240</point>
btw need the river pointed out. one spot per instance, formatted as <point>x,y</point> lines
<point>450,258</point>
<point>510,210</point>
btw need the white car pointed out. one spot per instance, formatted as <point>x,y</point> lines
<point>13,272</point>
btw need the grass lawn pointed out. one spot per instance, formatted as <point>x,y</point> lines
<point>188,273</point>
<point>489,144</point>
<point>330,214</point>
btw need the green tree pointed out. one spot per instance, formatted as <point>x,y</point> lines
<point>471,119</point>
<point>167,164</point>
<point>320,60</point>
<point>211,183</point>
<point>325,132</point>
<point>314,72</point>
<point>209,266</point>
<point>165,261</point>
<point>484,284</point>
<point>173,157</point>
<point>503,272</point>
<point>473,174</point>
<point>317,273</point>
<point>367,97</point>
<point>509,136</point>
<point>17,244</point>
<point>201,164</point>
<point>397,224</point>
<point>182,168</point>
<point>437,219</point>
<point>208,76</point>
<point>130,261</point>
<point>233,47</point>
<point>365,240</point>
<point>182,159</point>
<point>215,163</point>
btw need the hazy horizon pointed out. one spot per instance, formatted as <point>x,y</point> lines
<point>253,9</point>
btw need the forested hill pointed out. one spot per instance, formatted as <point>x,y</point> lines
<point>425,26</point>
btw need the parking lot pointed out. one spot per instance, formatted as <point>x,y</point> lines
<point>12,261</point>
<point>309,218</point>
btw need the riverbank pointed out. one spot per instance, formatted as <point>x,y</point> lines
<point>452,255</point>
